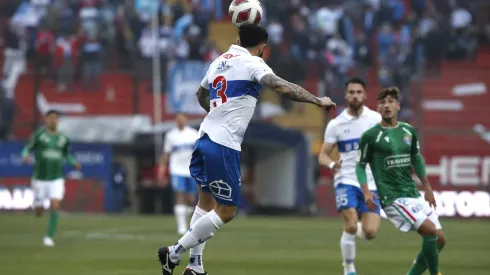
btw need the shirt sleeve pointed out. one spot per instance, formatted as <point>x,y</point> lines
<point>365,150</point>
<point>66,153</point>
<point>330,136</point>
<point>30,145</point>
<point>167,144</point>
<point>258,69</point>
<point>415,150</point>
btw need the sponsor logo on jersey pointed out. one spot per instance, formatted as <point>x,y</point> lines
<point>398,161</point>
<point>52,154</point>
<point>407,139</point>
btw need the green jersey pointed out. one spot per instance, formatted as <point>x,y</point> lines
<point>390,152</point>
<point>51,149</point>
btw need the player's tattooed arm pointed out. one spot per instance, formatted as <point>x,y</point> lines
<point>288,89</point>
<point>203,98</point>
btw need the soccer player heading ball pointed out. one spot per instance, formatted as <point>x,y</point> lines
<point>344,133</point>
<point>391,148</point>
<point>51,149</point>
<point>229,93</point>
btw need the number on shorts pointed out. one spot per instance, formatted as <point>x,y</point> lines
<point>341,200</point>
<point>221,92</point>
<point>404,202</point>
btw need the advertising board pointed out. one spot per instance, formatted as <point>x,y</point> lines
<point>86,190</point>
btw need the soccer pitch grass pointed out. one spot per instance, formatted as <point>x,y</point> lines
<point>110,245</point>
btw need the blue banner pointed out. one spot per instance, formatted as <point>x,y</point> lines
<point>96,160</point>
<point>184,78</point>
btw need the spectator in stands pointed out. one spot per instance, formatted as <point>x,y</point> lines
<point>385,12</point>
<point>66,17</point>
<point>340,57</point>
<point>6,114</point>
<point>194,41</point>
<point>90,18</point>
<point>91,57</point>
<point>202,13</point>
<point>107,28</point>
<point>326,19</point>
<point>45,48</point>
<point>362,56</point>
<point>14,57</point>
<point>299,38</point>
<point>65,59</point>
<point>369,21</point>
<point>276,32</point>
<point>434,48</point>
<point>386,39</point>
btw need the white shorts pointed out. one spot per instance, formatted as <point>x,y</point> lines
<point>51,190</point>
<point>409,213</point>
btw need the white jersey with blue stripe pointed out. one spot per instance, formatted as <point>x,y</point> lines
<point>179,144</point>
<point>233,80</point>
<point>345,131</point>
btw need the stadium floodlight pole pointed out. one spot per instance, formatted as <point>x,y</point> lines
<point>157,106</point>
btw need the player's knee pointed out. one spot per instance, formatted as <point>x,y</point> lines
<point>54,205</point>
<point>350,227</point>
<point>441,241</point>
<point>179,197</point>
<point>370,233</point>
<point>226,213</point>
<point>427,228</point>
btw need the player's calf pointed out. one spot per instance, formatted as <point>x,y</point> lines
<point>430,251</point>
<point>348,240</point>
<point>52,223</point>
<point>441,240</point>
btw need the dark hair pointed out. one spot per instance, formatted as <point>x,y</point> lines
<point>391,91</point>
<point>252,35</point>
<point>52,111</point>
<point>356,80</point>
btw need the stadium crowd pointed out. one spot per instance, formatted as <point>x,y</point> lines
<point>71,40</point>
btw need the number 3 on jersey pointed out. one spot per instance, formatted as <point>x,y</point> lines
<point>219,84</point>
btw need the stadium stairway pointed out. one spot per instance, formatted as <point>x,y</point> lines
<point>459,98</point>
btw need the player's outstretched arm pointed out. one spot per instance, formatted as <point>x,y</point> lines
<point>293,91</point>
<point>69,157</point>
<point>418,164</point>
<point>203,98</point>
<point>29,146</point>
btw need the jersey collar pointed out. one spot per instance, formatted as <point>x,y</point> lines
<point>239,49</point>
<point>365,110</point>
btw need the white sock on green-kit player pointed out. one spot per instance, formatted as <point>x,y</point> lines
<point>180,212</point>
<point>195,260</point>
<point>348,248</point>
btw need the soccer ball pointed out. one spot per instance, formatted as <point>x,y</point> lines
<point>245,11</point>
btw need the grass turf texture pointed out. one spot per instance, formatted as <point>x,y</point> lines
<point>110,245</point>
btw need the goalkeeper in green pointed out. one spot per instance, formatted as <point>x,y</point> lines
<point>391,149</point>
<point>51,149</point>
